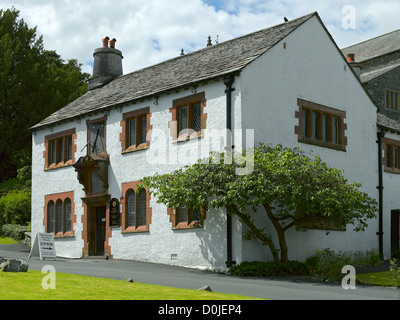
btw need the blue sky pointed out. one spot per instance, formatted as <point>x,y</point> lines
<point>151,31</point>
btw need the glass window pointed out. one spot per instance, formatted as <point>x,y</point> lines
<point>50,217</point>
<point>131,208</point>
<point>304,115</point>
<point>325,128</point>
<point>183,118</point>
<point>143,130</point>
<point>142,198</point>
<point>197,117</point>
<point>335,130</point>
<point>132,132</point>
<point>97,184</point>
<point>69,148</point>
<point>59,211</point>
<point>181,214</point>
<point>315,123</point>
<point>68,218</point>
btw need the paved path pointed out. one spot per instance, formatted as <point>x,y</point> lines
<point>275,289</point>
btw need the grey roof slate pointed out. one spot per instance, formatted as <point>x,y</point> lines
<point>375,47</point>
<point>388,123</point>
<point>205,64</point>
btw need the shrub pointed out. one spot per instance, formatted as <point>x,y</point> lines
<point>15,208</point>
<point>15,231</point>
<point>268,269</point>
<point>327,265</point>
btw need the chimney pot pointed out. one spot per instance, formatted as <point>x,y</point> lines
<point>112,43</point>
<point>351,57</point>
<point>105,42</point>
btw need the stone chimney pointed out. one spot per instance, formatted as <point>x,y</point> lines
<point>107,64</point>
<point>356,67</point>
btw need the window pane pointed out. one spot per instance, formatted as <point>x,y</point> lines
<point>59,217</point>
<point>325,126</point>
<point>304,126</point>
<point>52,158</point>
<point>315,123</point>
<point>197,117</point>
<point>67,208</point>
<point>183,118</point>
<point>97,184</point>
<point>132,132</point>
<point>60,150</point>
<point>395,157</point>
<point>388,156</point>
<point>131,208</point>
<point>196,215</point>
<point>143,129</point>
<point>335,130</point>
<point>51,217</point>
<point>69,148</point>
<point>181,214</point>
<point>142,208</point>
<point>97,138</point>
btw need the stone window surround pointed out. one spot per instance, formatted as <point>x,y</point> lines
<point>149,211</point>
<point>125,127</point>
<point>173,124</point>
<point>391,143</point>
<point>55,198</point>
<point>176,225</point>
<point>60,135</point>
<point>321,109</point>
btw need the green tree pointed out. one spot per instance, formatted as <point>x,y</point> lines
<point>34,83</point>
<point>288,186</point>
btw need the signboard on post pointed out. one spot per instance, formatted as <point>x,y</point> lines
<point>44,247</point>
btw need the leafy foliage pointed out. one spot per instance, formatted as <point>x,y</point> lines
<point>34,83</point>
<point>286,184</point>
<point>15,208</point>
<point>269,269</point>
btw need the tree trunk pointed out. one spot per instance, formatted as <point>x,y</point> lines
<point>232,209</point>
<point>280,231</point>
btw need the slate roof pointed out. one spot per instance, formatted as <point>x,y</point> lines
<point>388,123</point>
<point>375,47</point>
<point>205,64</point>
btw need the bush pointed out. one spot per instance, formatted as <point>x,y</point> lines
<point>268,269</point>
<point>15,231</point>
<point>15,208</point>
<point>327,265</point>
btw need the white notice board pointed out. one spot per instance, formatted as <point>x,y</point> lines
<point>44,247</point>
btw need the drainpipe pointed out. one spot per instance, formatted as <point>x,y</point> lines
<point>228,81</point>
<point>381,135</point>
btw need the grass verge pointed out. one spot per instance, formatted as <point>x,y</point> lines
<point>7,241</point>
<point>28,286</point>
<point>378,279</point>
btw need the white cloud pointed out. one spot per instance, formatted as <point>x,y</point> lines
<point>151,31</point>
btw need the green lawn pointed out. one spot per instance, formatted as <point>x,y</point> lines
<point>7,241</point>
<point>28,286</point>
<point>378,279</point>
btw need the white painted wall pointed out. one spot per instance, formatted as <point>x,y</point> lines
<point>205,247</point>
<point>311,68</point>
